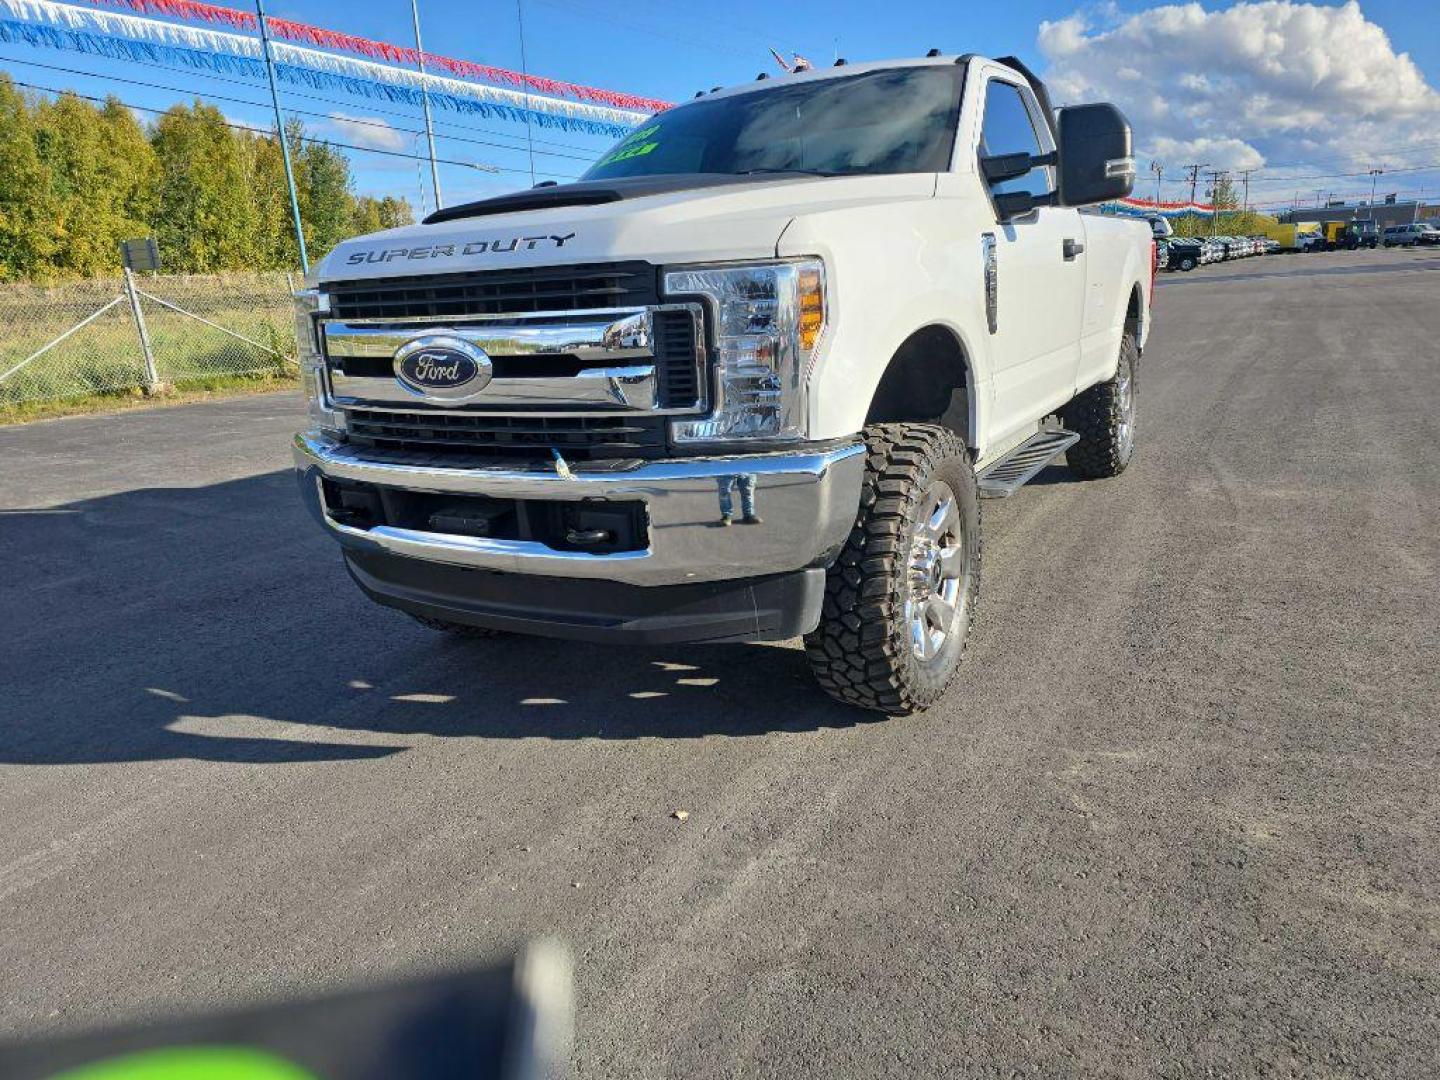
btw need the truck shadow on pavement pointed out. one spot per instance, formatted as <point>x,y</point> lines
<point>1171,280</point>
<point>216,623</point>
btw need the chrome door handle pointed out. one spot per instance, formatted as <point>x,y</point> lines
<point>1071,248</point>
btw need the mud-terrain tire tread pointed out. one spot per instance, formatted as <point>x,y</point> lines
<point>859,653</point>
<point>1094,415</point>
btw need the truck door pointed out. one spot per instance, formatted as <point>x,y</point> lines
<point>1040,267</point>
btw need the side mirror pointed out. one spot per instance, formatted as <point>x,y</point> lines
<point>1004,167</point>
<point>1015,204</point>
<point>1096,156</point>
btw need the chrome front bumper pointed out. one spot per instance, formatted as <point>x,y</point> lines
<point>806,500</point>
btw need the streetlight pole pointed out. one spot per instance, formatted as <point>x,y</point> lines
<point>425,102</point>
<point>1374,177</point>
<point>280,132</point>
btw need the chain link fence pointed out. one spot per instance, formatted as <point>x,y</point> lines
<point>143,333</point>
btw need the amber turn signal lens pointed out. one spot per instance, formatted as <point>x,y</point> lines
<point>812,308</point>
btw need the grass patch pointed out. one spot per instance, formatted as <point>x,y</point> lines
<point>238,336</point>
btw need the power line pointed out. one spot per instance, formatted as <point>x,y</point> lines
<point>357,120</point>
<point>289,93</point>
<point>483,166</point>
<point>1325,176</point>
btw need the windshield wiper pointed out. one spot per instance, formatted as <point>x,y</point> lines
<point>792,172</point>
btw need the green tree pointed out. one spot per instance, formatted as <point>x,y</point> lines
<point>75,180</point>
<point>372,214</point>
<point>396,212</point>
<point>327,205</point>
<point>28,240</point>
<point>102,178</point>
<point>132,168</point>
<point>206,218</point>
<point>265,180</point>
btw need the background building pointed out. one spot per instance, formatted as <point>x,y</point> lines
<point>1382,213</point>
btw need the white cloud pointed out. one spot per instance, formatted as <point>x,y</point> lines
<point>1304,87</point>
<point>367,131</point>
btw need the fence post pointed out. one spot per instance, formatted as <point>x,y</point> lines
<point>152,379</point>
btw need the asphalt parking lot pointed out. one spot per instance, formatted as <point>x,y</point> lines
<point>1180,818</point>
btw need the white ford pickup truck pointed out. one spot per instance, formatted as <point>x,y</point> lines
<point>747,380</point>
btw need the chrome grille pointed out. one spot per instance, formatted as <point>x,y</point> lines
<point>581,438</point>
<point>496,292</point>
<point>676,356</point>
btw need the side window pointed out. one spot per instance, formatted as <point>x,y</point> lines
<point>1008,129</point>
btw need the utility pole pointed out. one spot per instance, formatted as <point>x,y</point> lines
<point>284,141</point>
<point>425,102</point>
<point>1245,175</point>
<point>1215,175</point>
<point>1194,180</point>
<point>1374,176</point>
<point>1158,170</point>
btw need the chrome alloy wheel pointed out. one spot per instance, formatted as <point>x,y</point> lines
<point>937,577</point>
<point>1125,406</point>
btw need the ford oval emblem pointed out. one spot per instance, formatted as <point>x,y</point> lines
<point>442,368</point>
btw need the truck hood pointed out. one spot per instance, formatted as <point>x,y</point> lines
<point>708,224</point>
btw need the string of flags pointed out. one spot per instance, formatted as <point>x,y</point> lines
<point>1151,208</point>
<point>306,34</point>
<point>140,39</point>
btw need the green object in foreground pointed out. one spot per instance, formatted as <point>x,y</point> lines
<point>192,1063</point>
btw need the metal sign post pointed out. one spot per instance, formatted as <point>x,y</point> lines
<point>152,378</point>
<point>280,132</point>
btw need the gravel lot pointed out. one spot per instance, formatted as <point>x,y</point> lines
<point>1179,819</point>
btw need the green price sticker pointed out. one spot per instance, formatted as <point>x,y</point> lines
<point>192,1063</point>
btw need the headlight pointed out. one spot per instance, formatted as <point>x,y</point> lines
<point>768,321</point>
<point>310,303</point>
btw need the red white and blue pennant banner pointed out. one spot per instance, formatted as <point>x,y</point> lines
<point>1151,208</point>
<point>48,24</point>
<point>304,33</point>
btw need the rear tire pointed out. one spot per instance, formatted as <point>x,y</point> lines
<point>455,629</point>
<point>900,598</point>
<point>1104,418</point>
<point>1187,264</point>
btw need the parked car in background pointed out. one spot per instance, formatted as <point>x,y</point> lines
<point>1419,232</point>
<point>1184,253</point>
<point>1363,234</point>
<point>1214,250</point>
<point>1268,245</point>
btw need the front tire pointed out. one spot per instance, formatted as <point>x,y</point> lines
<point>1104,418</point>
<point>900,598</point>
<point>1187,264</point>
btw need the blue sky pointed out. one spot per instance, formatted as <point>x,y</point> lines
<point>669,50</point>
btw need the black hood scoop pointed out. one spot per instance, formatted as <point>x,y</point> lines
<point>596,192</point>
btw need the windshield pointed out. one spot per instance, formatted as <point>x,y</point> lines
<point>899,120</point>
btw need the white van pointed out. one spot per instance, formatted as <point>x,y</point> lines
<point>1420,232</point>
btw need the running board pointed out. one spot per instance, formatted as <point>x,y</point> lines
<point>1006,476</point>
